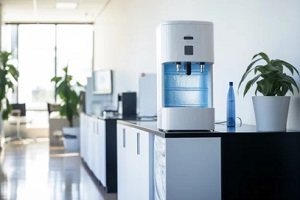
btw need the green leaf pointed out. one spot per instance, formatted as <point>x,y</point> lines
<point>290,67</point>
<point>248,70</point>
<point>263,56</point>
<point>250,83</point>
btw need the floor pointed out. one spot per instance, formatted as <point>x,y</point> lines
<point>32,171</point>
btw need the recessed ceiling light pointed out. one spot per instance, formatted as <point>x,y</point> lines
<point>66,5</point>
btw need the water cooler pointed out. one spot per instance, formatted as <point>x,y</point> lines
<point>185,56</point>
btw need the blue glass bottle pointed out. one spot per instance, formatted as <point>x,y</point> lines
<point>230,106</point>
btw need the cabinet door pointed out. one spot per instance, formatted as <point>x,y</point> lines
<point>131,164</point>
<point>127,164</point>
<point>193,168</point>
<point>92,144</point>
<point>88,140</point>
<point>134,161</point>
<point>121,162</point>
<point>83,129</point>
<point>141,171</point>
<point>100,152</point>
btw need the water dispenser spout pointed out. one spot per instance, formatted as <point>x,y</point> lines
<point>188,68</point>
<point>202,65</point>
<point>178,64</point>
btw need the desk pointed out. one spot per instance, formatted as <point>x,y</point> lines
<point>226,164</point>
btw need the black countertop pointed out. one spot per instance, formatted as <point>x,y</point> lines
<point>220,130</point>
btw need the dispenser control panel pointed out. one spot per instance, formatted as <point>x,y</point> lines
<point>188,50</point>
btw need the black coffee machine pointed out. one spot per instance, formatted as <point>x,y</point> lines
<point>127,104</point>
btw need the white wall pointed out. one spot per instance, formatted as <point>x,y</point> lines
<point>125,41</point>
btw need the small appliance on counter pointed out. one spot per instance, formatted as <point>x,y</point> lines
<point>185,57</point>
<point>147,96</point>
<point>127,103</point>
<point>109,113</point>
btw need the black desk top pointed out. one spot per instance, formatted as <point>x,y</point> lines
<point>220,130</point>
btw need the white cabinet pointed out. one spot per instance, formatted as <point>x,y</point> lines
<point>100,152</point>
<point>98,149</point>
<point>89,144</point>
<point>92,144</point>
<point>121,162</point>
<point>135,153</point>
<point>187,168</point>
<point>172,168</point>
<point>83,126</point>
<point>176,166</point>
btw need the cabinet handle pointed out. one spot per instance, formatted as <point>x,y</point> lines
<point>124,139</point>
<point>138,143</point>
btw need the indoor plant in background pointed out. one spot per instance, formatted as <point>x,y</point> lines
<point>272,82</point>
<point>69,106</point>
<point>8,80</point>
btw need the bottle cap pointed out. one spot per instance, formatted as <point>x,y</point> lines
<point>230,83</point>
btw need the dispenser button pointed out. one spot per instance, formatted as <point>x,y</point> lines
<point>188,37</point>
<point>188,50</point>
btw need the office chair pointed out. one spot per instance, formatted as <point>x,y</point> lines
<point>19,107</point>
<point>18,112</point>
<point>52,107</point>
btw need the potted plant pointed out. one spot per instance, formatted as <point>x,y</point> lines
<point>69,105</point>
<point>272,82</point>
<point>8,79</point>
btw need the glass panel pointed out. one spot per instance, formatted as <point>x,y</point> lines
<point>75,48</point>
<point>9,43</point>
<point>183,90</point>
<point>36,64</point>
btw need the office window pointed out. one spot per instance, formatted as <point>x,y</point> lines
<point>36,57</point>
<point>75,48</point>
<point>42,51</point>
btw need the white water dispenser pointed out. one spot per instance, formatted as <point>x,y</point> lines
<point>185,57</point>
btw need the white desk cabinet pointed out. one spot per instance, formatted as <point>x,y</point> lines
<point>176,167</point>
<point>98,149</point>
<point>187,168</point>
<point>135,159</point>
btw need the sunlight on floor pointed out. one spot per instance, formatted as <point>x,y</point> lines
<point>31,170</point>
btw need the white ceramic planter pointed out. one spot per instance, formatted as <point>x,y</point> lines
<point>71,144</point>
<point>271,112</point>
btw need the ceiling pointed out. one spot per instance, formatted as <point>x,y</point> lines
<point>44,11</point>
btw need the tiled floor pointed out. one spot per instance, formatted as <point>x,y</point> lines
<point>32,171</point>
